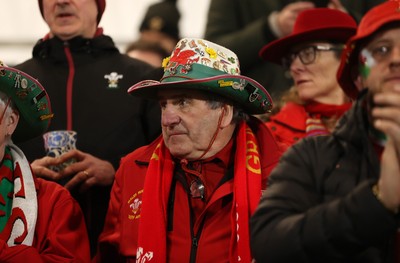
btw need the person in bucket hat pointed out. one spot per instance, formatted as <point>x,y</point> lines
<point>35,214</point>
<point>195,187</point>
<point>336,198</point>
<point>311,53</point>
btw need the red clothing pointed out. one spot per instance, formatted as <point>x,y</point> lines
<point>289,124</point>
<point>118,242</point>
<point>60,233</point>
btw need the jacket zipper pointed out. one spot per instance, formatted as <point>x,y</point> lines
<point>70,83</point>
<point>195,238</point>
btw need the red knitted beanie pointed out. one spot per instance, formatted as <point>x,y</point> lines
<point>101,5</point>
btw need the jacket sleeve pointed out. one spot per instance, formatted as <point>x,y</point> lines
<point>60,234</point>
<point>297,222</point>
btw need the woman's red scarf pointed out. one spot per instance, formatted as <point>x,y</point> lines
<point>316,111</point>
<point>246,195</point>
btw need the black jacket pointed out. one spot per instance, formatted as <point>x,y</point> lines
<point>319,206</point>
<point>110,122</point>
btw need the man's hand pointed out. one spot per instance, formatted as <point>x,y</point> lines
<point>86,172</point>
<point>287,16</point>
<point>336,4</point>
<point>386,115</point>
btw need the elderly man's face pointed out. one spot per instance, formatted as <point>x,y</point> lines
<point>382,62</point>
<point>70,18</point>
<point>188,122</point>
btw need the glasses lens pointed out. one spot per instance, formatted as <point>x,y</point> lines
<point>288,59</point>
<point>307,55</point>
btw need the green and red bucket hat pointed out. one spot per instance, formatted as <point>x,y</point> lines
<point>203,65</point>
<point>31,100</point>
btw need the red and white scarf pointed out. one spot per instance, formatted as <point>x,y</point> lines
<point>20,227</point>
<point>246,196</point>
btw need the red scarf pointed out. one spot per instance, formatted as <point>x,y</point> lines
<point>246,195</point>
<point>316,111</point>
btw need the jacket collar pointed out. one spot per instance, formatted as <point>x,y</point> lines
<point>53,48</point>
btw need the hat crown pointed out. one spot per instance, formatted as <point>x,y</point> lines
<point>212,58</point>
<point>322,18</point>
<point>377,17</point>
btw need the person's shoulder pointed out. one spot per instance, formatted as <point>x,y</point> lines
<point>50,191</point>
<point>27,64</point>
<point>142,154</point>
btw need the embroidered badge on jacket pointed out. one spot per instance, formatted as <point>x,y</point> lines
<point>113,79</point>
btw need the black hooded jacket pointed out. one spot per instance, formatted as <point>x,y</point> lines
<point>87,82</point>
<point>319,205</point>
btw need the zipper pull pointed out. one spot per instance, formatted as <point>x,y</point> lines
<point>195,242</point>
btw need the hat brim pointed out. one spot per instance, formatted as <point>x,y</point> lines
<point>246,92</point>
<point>276,50</point>
<point>31,100</point>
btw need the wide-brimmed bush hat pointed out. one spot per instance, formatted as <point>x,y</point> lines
<point>203,65</point>
<point>31,100</point>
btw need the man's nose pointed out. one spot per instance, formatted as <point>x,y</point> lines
<point>395,57</point>
<point>169,116</point>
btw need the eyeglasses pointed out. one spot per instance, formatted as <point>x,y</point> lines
<point>307,54</point>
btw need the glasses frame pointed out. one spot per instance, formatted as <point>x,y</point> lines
<point>288,60</point>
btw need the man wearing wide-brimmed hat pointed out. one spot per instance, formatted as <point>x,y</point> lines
<point>187,196</point>
<point>39,220</point>
<point>337,198</point>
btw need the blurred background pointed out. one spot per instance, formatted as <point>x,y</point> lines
<point>22,24</point>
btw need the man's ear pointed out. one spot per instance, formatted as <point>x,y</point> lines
<point>227,111</point>
<point>12,122</point>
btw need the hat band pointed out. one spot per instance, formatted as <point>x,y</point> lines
<point>190,71</point>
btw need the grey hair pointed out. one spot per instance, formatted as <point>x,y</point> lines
<point>11,107</point>
<point>215,102</point>
<point>3,101</point>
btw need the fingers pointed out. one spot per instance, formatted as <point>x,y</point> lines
<point>73,154</point>
<point>336,4</point>
<point>79,179</point>
<point>386,114</point>
<point>287,16</point>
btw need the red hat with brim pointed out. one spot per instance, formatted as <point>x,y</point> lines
<point>312,25</point>
<point>372,21</point>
